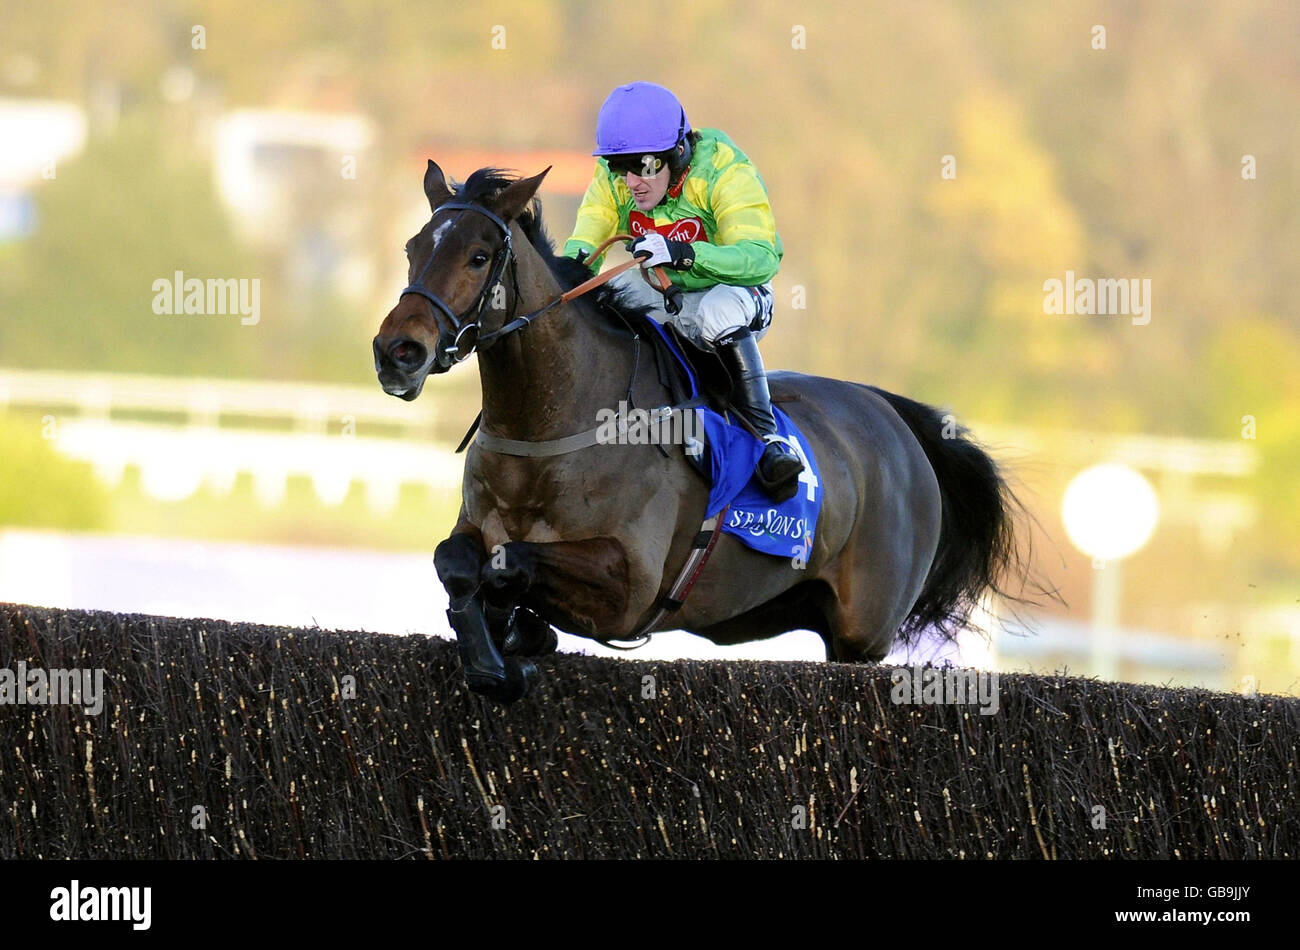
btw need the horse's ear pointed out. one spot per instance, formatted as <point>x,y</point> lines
<point>435,186</point>
<point>511,201</point>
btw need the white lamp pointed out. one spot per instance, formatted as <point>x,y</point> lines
<point>1110,512</point>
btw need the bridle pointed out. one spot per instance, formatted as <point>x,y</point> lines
<point>465,336</point>
<point>467,339</point>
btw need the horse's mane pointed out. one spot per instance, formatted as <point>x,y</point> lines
<point>605,300</point>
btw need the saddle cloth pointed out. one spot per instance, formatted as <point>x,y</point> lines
<point>727,458</point>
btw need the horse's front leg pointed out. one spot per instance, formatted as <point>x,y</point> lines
<point>459,562</point>
<point>583,583</point>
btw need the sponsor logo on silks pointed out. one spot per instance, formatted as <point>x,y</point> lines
<point>685,229</point>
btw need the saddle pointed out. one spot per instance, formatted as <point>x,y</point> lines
<point>712,379</point>
<point>713,382</point>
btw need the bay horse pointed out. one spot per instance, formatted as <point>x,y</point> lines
<point>916,522</point>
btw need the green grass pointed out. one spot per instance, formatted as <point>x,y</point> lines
<point>40,488</point>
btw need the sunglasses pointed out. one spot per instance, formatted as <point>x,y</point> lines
<point>643,166</point>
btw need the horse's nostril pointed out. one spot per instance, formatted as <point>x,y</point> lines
<point>407,353</point>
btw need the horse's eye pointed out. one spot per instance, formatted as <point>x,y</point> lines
<point>479,259</point>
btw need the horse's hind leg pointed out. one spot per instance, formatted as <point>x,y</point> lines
<point>864,604</point>
<point>855,634</point>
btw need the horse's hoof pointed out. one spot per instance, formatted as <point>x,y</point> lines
<point>487,684</point>
<point>521,676</point>
<point>530,635</point>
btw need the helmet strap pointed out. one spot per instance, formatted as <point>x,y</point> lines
<point>676,189</point>
<point>680,165</point>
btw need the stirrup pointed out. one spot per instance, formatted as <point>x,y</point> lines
<point>789,449</point>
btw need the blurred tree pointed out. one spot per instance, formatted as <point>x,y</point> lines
<point>1249,375</point>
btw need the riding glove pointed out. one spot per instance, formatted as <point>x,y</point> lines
<point>679,255</point>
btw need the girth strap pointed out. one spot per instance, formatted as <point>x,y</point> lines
<point>547,448</point>
<point>570,443</point>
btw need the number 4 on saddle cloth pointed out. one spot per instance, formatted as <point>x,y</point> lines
<point>727,459</point>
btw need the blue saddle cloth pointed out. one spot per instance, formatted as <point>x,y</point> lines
<point>785,529</point>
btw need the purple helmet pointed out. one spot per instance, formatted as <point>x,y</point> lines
<point>638,118</point>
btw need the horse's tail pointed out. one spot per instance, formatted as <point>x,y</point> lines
<point>977,540</point>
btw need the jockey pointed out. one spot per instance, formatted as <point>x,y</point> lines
<point>698,207</point>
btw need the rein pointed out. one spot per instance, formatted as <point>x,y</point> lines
<point>572,443</point>
<point>467,337</point>
<point>518,323</point>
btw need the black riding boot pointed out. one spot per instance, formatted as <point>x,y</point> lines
<point>778,467</point>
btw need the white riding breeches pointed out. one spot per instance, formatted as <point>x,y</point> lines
<point>706,314</point>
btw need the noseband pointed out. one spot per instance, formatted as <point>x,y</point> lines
<point>466,338</point>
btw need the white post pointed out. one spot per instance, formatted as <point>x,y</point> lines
<point>1106,587</point>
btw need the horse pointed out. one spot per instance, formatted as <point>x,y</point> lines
<point>916,525</point>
